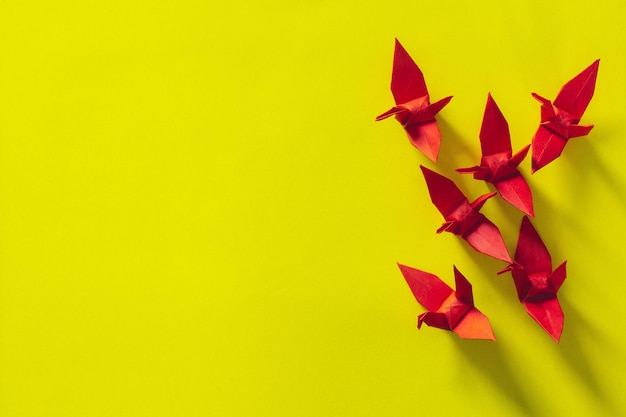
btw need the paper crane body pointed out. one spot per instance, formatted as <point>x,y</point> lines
<point>413,108</point>
<point>447,309</point>
<point>536,283</point>
<point>498,165</point>
<point>464,218</point>
<point>559,120</point>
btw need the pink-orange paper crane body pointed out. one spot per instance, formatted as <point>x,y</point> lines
<point>498,165</point>
<point>559,120</point>
<point>464,218</point>
<point>447,309</point>
<point>413,108</point>
<point>536,283</point>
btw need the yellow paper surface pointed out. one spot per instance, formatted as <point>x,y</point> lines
<point>200,217</point>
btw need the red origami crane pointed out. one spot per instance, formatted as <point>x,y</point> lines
<point>498,165</point>
<point>413,108</point>
<point>464,219</point>
<point>559,121</point>
<point>447,309</point>
<point>535,281</point>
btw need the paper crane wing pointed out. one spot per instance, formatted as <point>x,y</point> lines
<point>549,315</point>
<point>426,137</point>
<point>558,276</point>
<point>407,80</point>
<point>576,94</point>
<point>475,325</point>
<point>516,191</point>
<point>444,193</point>
<point>494,131</point>
<point>531,252</point>
<point>428,289</point>
<point>463,288</point>
<point>547,146</point>
<point>486,239</point>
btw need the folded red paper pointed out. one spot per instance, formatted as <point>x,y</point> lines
<point>498,165</point>
<point>447,309</point>
<point>535,281</point>
<point>559,120</point>
<point>464,218</point>
<point>413,108</point>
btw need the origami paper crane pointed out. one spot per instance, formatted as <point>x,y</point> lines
<point>559,121</point>
<point>464,219</point>
<point>535,281</point>
<point>498,165</point>
<point>413,108</point>
<point>447,309</point>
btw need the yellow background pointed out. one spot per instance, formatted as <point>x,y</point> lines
<point>200,217</point>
